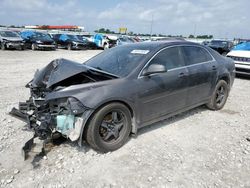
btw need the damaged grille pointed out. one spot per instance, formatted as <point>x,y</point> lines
<point>47,43</point>
<point>16,42</point>
<point>241,59</point>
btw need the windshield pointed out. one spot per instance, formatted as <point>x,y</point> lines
<point>243,46</point>
<point>218,43</point>
<point>81,38</point>
<point>125,39</point>
<point>72,37</point>
<point>8,34</point>
<point>119,61</point>
<point>41,36</point>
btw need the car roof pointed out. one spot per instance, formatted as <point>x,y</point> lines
<point>159,44</point>
<point>218,40</point>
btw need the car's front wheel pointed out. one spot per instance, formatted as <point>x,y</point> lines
<point>33,46</point>
<point>69,47</point>
<point>3,47</point>
<point>219,96</point>
<point>106,46</point>
<point>109,127</point>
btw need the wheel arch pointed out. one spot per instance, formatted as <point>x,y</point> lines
<point>130,108</point>
<point>117,101</point>
<point>226,78</point>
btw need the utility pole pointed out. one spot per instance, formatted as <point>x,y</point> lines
<point>151,25</point>
<point>194,30</point>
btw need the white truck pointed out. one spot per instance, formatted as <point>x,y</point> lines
<point>241,56</point>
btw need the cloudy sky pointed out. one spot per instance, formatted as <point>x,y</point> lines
<point>222,18</point>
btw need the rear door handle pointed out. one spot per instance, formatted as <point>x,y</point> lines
<point>214,67</point>
<point>182,74</point>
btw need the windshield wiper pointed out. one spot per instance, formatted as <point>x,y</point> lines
<point>98,70</point>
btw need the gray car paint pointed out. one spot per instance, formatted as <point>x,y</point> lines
<point>141,93</point>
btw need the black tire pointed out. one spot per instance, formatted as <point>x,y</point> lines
<point>3,47</point>
<point>219,96</point>
<point>69,47</point>
<point>224,53</point>
<point>100,137</point>
<point>21,48</point>
<point>33,46</point>
<point>106,46</point>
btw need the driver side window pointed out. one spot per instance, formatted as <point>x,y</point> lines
<point>170,58</point>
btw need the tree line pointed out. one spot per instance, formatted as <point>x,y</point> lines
<point>108,31</point>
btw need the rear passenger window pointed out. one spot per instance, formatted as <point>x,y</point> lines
<point>171,58</point>
<point>194,55</point>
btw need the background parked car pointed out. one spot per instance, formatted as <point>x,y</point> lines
<point>239,41</point>
<point>88,42</point>
<point>11,40</point>
<point>124,40</point>
<point>137,39</point>
<point>221,46</point>
<point>38,40</point>
<point>205,43</point>
<point>241,56</point>
<point>104,41</point>
<point>70,42</point>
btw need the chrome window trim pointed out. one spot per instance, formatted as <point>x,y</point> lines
<point>179,45</point>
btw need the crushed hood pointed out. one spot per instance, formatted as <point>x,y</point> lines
<point>56,71</point>
<point>62,69</point>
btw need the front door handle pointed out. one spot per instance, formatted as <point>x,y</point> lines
<point>214,67</point>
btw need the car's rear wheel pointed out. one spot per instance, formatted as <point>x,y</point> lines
<point>109,127</point>
<point>219,96</point>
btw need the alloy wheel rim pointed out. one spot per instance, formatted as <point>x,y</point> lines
<point>112,126</point>
<point>220,95</point>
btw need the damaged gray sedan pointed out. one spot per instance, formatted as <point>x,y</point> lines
<point>110,96</point>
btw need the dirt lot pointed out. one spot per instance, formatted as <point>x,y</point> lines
<point>199,148</point>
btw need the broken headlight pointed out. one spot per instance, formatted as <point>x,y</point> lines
<point>76,106</point>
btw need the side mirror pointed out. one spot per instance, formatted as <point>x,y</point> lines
<point>154,68</point>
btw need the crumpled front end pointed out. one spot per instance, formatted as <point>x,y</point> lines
<point>54,105</point>
<point>46,118</point>
<point>50,119</point>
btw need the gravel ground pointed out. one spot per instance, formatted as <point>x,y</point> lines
<point>198,148</point>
